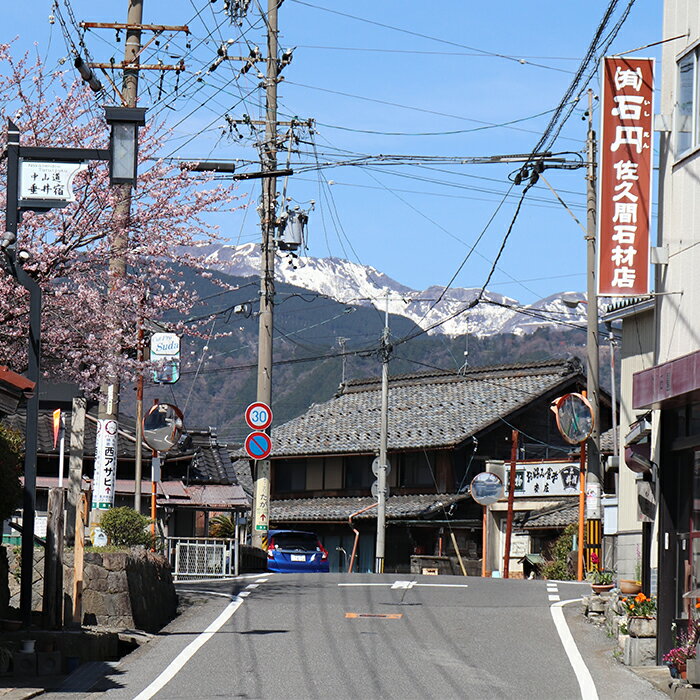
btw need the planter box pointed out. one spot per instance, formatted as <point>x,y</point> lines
<point>693,671</point>
<point>641,626</point>
<point>639,651</point>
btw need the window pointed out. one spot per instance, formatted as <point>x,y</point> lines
<point>290,476</point>
<point>417,469</point>
<point>687,123</point>
<point>358,472</point>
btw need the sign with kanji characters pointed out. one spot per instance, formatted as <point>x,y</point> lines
<point>52,181</point>
<point>105,464</point>
<point>544,479</point>
<point>625,168</point>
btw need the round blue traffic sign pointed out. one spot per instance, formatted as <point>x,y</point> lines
<point>258,445</point>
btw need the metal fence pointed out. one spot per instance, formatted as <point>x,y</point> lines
<point>202,557</point>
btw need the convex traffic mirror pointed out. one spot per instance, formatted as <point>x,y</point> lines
<point>162,427</point>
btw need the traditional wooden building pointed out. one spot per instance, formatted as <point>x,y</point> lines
<point>443,428</point>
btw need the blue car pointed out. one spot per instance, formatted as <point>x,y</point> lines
<point>293,551</point>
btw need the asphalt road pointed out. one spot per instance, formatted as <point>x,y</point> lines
<point>363,636</point>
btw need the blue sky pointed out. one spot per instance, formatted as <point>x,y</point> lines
<point>456,68</point>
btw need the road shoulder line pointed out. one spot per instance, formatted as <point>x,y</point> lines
<point>583,675</point>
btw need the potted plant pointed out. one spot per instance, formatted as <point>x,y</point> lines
<point>641,615</point>
<point>633,586</point>
<point>601,580</point>
<point>677,660</point>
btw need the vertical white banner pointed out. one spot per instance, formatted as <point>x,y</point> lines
<point>105,476</point>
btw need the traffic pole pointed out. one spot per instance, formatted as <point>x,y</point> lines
<point>511,498</point>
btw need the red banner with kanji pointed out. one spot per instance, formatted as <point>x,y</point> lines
<point>625,168</point>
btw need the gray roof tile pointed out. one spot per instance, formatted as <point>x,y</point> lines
<point>397,507</point>
<point>426,410</point>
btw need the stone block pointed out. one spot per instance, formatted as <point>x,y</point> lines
<point>693,671</point>
<point>596,605</point>
<point>641,626</point>
<point>639,651</point>
<point>114,561</point>
<point>117,581</point>
<point>93,572</point>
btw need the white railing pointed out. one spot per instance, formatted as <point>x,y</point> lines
<point>202,557</point>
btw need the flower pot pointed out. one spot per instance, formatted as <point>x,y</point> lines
<point>599,588</point>
<point>629,587</point>
<point>641,626</point>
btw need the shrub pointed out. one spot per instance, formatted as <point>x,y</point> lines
<point>222,526</point>
<point>11,444</point>
<point>558,566</point>
<point>124,526</point>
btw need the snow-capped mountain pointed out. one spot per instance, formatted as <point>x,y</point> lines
<point>433,308</point>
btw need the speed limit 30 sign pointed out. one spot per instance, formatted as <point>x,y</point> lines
<point>258,416</point>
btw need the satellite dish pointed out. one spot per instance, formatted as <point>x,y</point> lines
<point>162,427</point>
<point>487,488</point>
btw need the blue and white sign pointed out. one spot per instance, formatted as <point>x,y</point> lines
<point>165,351</point>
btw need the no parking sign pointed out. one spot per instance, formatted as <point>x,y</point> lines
<point>258,445</point>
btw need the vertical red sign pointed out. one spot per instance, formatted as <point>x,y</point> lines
<point>624,204</point>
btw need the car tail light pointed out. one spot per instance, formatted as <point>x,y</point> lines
<point>324,556</point>
<point>271,549</point>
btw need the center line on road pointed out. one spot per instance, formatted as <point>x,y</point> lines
<point>583,675</point>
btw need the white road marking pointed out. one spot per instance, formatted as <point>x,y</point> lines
<point>400,585</point>
<point>252,585</point>
<point>190,650</point>
<point>583,675</point>
<point>553,596</point>
<point>244,594</point>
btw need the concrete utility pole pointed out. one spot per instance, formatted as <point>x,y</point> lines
<point>593,480</point>
<point>108,412</point>
<point>268,221</point>
<point>383,439</point>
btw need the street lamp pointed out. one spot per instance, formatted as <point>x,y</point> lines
<point>124,143</point>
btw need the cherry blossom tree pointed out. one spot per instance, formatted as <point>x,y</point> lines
<point>86,311</point>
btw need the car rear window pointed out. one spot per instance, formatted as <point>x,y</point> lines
<point>296,540</point>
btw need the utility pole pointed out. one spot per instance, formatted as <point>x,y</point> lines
<point>268,221</point>
<point>383,439</point>
<point>593,480</point>
<point>108,412</point>
<point>514,436</point>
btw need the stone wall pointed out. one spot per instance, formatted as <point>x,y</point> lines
<point>128,590</point>
<point>4,583</point>
<point>14,560</point>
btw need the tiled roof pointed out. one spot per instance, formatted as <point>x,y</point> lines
<point>426,410</point>
<point>210,462</point>
<point>558,516</point>
<point>244,476</point>
<point>397,507</point>
<point>606,441</point>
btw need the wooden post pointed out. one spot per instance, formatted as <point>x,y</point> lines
<point>53,562</point>
<point>511,496</point>
<point>81,516</point>
<point>75,466</point>
<point>459,556</point>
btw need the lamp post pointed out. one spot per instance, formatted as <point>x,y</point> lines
<point>25,167</point>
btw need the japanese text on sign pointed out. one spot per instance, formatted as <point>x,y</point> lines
<point>105,465</point>
<point>625,176</point>
<point>544,479</point>
<point>52,181</point>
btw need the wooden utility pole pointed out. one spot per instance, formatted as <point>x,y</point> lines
<point>81,516</point>
<point>108,412</point>
<point>268,222</point>
<point>593,471</point>
<point>511,497</point>
<point>383,440</point>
